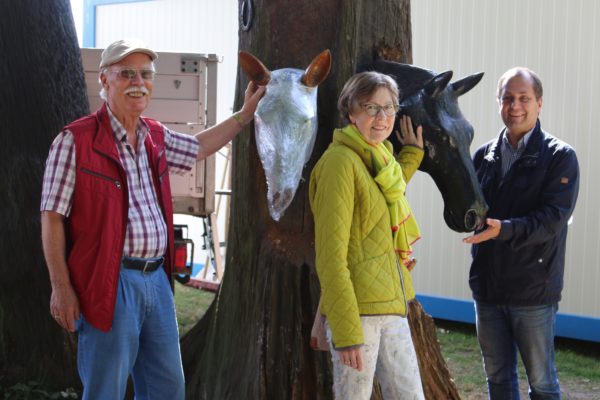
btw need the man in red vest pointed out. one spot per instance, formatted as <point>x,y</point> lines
<point>107,229</point>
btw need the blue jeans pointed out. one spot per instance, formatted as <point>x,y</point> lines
<point>143,342</point>
<point>502,330</point>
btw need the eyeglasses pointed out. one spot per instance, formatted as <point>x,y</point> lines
<point>373,109</point>
<point>131,73</point>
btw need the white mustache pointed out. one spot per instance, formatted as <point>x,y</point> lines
<point>131,89</point>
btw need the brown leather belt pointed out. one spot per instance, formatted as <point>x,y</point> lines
<point>141,264</point>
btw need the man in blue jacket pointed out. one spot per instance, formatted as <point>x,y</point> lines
<point>530,181</point>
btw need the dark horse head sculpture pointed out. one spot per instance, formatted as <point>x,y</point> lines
<point>431,101</point>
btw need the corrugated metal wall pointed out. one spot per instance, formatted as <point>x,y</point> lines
<point>559,40</point>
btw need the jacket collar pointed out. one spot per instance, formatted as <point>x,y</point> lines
<point>104,141</point>
<point>535,142</point>
<point>339,137</point>
<point>531,150</point>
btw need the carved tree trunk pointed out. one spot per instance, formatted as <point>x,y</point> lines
<point>42,89</point>
<point>437,381</point>
<point>254,340</point>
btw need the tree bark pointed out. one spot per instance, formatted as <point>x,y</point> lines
<point>43,88</point>
<point>254,340</point>
<point>437,381</point>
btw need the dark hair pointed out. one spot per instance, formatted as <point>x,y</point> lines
<point>361,86</point>
<point>524,72</point>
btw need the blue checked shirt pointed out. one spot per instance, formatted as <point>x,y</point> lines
<point>510,154</point>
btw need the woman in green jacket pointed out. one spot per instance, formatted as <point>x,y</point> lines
<point>364,231</point>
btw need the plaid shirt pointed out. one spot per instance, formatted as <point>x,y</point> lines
<point>146,234</point>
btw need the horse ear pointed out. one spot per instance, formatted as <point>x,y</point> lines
<point>318,69</point>
<point>463,85</point>
<point>254,69</point>
<point>438,83</point>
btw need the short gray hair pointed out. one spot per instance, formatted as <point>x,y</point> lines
<point>362,86</point>
<point>523,72</point>
<point>102,90</point>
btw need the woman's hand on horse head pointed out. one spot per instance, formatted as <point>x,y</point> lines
<point>407,135</point>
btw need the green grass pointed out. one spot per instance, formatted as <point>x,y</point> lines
<point>191,305</point>
<point>578,364</point>
<point>461,353</point>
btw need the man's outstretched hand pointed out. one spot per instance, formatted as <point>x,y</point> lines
<point>491,232</point>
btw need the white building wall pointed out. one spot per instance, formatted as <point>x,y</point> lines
<point>560,41</point>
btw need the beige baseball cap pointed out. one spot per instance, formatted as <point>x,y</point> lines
<point>120,49</point>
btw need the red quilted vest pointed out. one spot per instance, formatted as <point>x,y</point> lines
<point>98,220</point>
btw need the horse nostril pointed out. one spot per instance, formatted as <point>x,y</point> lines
<point>471,220</point>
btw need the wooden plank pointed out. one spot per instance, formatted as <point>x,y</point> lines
<point>216,246</point>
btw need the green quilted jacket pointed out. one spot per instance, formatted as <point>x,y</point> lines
<point>355,259</point>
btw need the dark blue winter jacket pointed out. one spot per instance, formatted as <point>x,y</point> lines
<point>524,265</point>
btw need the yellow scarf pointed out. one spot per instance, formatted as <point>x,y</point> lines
<point>387,173</point>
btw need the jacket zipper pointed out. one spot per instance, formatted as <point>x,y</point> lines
<point>108,178</point>
<point>402,284</point>
<point>160,178</point>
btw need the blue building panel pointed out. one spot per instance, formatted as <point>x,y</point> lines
<point>567,325</point>
<point>89,18</point>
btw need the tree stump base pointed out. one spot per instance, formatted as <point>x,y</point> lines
<point>438,384</point>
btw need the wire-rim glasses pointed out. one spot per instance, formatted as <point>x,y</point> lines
<point>131,73</point>
<point>373,109</point>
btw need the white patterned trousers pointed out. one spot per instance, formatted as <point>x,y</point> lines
<point>389,354</point>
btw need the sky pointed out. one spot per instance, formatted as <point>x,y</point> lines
<point>77,9</point>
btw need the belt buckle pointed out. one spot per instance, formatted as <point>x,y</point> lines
<point>146,266</point>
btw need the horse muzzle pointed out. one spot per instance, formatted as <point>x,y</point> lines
<point>468,221</point>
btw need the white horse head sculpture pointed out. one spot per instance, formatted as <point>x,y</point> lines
<point>286,123</point>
